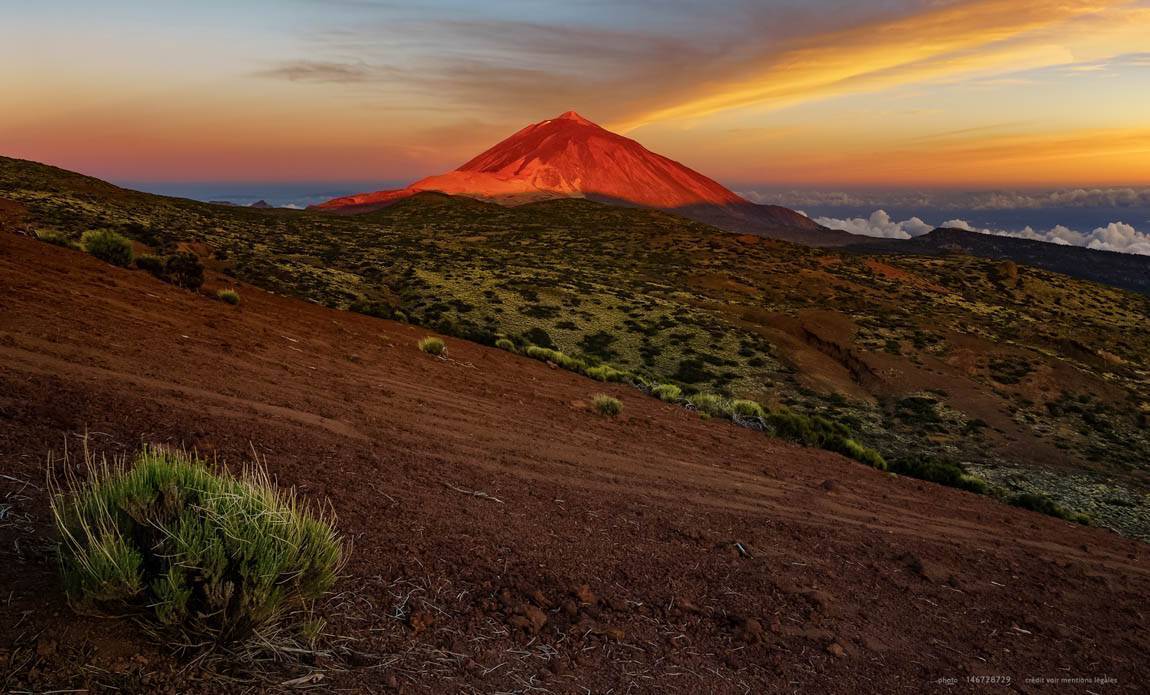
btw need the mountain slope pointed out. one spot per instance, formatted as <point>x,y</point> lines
<point>609,559</point>
<point>571,157</point>
<point>1037,382</point>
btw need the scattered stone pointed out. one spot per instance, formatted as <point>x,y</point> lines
<point>583,593</point>
<point>836,650</point>
<point>751,631</point>
<point>420,621</point>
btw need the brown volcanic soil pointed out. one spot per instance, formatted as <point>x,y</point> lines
<point>610,564</point>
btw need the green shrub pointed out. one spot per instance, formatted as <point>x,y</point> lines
<point>605,372</point>
<point>852,449</point>
<point>152,264</point>
<point>50,236</point>
<point>936,471</point>
<point>185,270</point>
<point>711,404</point>
<point>505,344</point>
<point>210,556</point>
<point>108,246</point>
<point>230,296</point>
<point>433,346</point>
<point>557,358</point>
<point>668,393</point>
<point>1044,505</point>
<point>747,409</point>
<point>606,405</point>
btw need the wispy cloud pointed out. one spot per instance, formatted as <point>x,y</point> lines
<point>958,38</point>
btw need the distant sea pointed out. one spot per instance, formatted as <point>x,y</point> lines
<point>279,194</point>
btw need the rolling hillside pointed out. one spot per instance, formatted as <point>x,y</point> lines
<point>1033,380</point>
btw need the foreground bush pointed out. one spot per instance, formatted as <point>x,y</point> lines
<point>433,346</point>
<point>668,393</point>
<point>505,344</point>
<point>209,556</point>
<point>108,246</point>
<point>606,405</point>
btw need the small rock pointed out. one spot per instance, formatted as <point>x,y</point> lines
<point>829,485</point>
<point>836,650</point>
<point>752,631</point>
<point>583,593</point>
<point>420,621</point>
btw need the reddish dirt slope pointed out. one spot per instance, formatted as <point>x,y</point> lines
<point>610,562</point>
<point>566,156</point>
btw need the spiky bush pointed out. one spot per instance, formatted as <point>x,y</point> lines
<point>505,344</point>
<point>209,556</point>
<point>433,346</point>
<point>668,393</point>
<point>606,405</point>
<point>108,246</point>
<point>230,296</point>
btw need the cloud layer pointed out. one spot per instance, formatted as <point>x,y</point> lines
<point>1116,236</point>
<point>1120,197</point>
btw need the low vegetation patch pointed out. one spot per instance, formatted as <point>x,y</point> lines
<point>230,296</point>
<point>209,557</point>
<point>433,346</point>
<point>49,236</point>
<point>606,405</point>
<point>938,471</point>
<point>108,246</point>
<point>668,393</point>
<point>1044,505</point>
<point>505,344</point>
<point>184,269</point>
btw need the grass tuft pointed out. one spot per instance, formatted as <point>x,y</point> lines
<point>207,556</point>
<point>505,344</point>
<point>229,295</point>
<point>606,405</point>
<point>668,393</point>
<point>108,246</point>
<point>433,346</point>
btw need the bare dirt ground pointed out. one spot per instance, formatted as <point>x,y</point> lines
<point>654,552</point>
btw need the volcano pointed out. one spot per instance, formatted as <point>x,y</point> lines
<point>571,157</point>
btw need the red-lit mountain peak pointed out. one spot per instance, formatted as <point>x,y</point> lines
<point>566,156</point>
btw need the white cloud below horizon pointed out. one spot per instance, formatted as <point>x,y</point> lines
<point>1116,236</point>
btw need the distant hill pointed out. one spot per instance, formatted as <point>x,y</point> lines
<point>570,157</point>
<point>1127,271</point>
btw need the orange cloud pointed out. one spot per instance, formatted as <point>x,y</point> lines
<point>956,39</point>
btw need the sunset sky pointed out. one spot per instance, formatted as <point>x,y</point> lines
<point>915,93</point>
